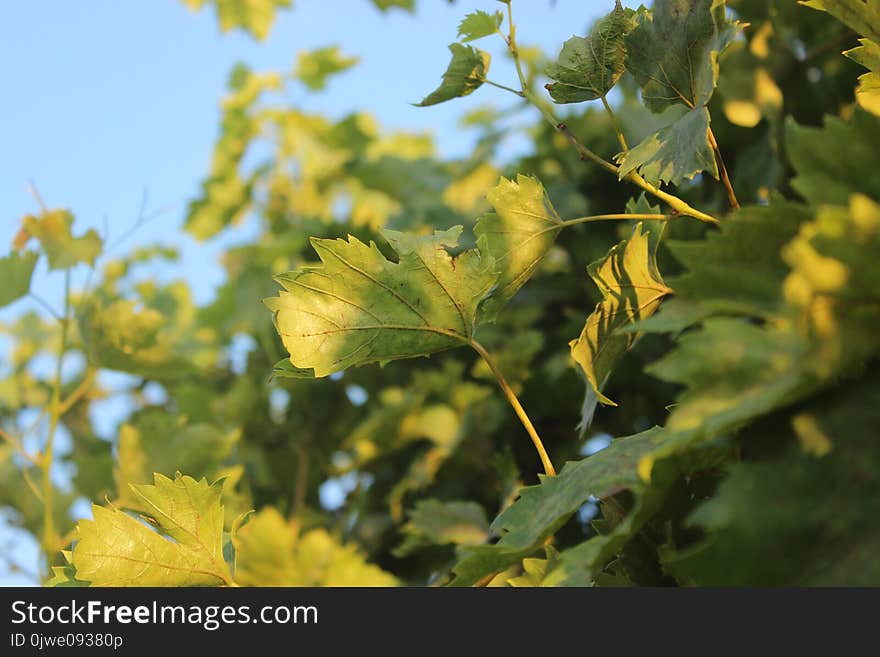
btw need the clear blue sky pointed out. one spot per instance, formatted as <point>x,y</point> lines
<point>106,100</point>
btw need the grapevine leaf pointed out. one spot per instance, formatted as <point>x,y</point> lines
<point>825,172</point>
<point>674,153</point>
<point>65,576</point>
<point>359,307</point>
<point>673,52</point>
<point>52,229</point>
<point>116,549</point>
<point>868,91</point>
<point>632,289</point>
<point>750,242</point>
<point>800,519</point>
<point>253,16</point>
<point>517,235</point>
<point>588,67</point>
<point>284,369</point>
<point>314,67</point>
<point>541,510</point>
<point>863,16</point>
<point>479,24</point>
<point>433,522</point>
<point>580,565</point>
<point>16,270</point>
<point>835,284</point>
<point>466,72</point>
<point>385,5</point>
<point>734,372</point>
<point>271,552</point>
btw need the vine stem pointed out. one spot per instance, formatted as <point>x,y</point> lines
<point>677,204</point>
<point>517,407</point>
<point>731,195</point>
<point>55,405</point>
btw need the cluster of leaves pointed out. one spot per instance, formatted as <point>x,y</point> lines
<point>743,428</point>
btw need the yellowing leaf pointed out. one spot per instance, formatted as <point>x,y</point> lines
<point>518,235</point>
<point>466,72</point>
<point>359,307</point>
<point>314,67</point>
<point>52,229</point>
<point>632,290</point>
<point>271,552</point>
<point>254,16</point>
<point>185,549</point>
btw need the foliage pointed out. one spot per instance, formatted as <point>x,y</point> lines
<point>733,322</point>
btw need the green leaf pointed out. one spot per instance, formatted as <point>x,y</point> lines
<point>673,52</point>
<point>675,153</point>
<point>863,16</point>
<point>748,242</point>
<point>631,290</point>
<point>466,72</point>
<point>284,369</point>
<point>271,552</point>
<point>185,549</point>
<point>65,576</point>
<point>16,270</point>
<point>359,307</point>
<point>580,565</point>
<point>588,67</point>
<point>52,229</point>
<point>827,173</point>
<point>161,443</point>
<point>801,518</point>
<point>314,67</point>
<point>517,235</point>
<point>433,522</point>
<point>541,510</point>
<point>479,24</point>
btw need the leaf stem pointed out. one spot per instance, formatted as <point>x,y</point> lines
<point>514,402</point>
<point>607,217</point>
<point>505,88</point>
<point>731,195</point>
<point>678,205</point>
<point>49,538</point>
<point>615,123</point>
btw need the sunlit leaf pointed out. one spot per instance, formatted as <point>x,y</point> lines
<point>359,307</point>
<point>632,289</point>
<point>518,235</point>
<point>184,549</point>
<point>52,229</point>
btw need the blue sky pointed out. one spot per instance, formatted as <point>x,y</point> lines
<point>108,103</point>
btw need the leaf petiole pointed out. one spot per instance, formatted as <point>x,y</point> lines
<point>517,407</point>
